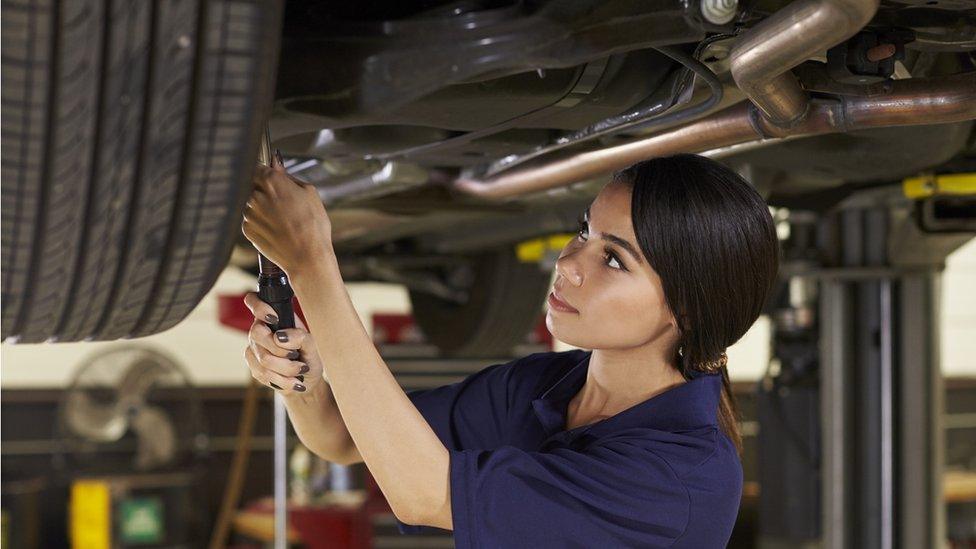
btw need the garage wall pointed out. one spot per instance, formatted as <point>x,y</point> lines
<point>213,354</point>
<point>959,312</point>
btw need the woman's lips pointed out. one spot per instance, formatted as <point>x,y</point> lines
<point>559,305</point>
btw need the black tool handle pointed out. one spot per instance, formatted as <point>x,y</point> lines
<point>273,289</point>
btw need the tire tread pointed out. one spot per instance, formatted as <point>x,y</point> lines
<point>126,160</point>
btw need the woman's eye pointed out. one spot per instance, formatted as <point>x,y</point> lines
<point>582,228</point>
<point>610,257</point>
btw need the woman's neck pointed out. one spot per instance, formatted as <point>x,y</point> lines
<point>619,379</point>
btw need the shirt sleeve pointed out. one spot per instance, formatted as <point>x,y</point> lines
<point>612,495</point>
<point>472,413</point>
<point>469,414</point>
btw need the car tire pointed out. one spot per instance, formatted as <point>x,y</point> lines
<point>130,132</point>
<point>505,299</point>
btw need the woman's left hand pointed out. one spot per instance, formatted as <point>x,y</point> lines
<point>286,219</point>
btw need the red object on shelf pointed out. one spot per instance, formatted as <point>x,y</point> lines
<point>325,526</point>
<point>333,527</point>
<point>395,328</point>
<point>233,313</point>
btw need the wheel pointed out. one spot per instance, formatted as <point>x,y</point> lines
<point>130,131</point>
<point>505,298</point>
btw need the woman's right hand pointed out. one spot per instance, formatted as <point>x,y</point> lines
<point>272,360</point>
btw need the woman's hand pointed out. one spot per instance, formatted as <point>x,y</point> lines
<point>272,360</point>
<point>286,220</point>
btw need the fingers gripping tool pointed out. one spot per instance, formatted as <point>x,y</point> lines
<point>273,286</point>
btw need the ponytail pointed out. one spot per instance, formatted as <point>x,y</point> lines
<point>728,412</point>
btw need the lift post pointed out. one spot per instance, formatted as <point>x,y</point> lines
<point>875,286</point>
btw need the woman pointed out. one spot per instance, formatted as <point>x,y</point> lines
<point>632,444</point>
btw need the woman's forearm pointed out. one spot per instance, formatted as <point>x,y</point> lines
<point>316,419</point>
<point>286,220</point>
<point>403,453</point>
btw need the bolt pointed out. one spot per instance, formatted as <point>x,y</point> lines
<point>719,12</point>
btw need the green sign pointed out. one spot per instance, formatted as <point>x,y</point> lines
<point>141,520</point>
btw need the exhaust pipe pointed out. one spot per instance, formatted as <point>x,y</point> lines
<point>762,60</point>
<point>779,107</point>
<point>911,102</point>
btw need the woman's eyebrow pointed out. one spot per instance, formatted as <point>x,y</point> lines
<point>616,239</point>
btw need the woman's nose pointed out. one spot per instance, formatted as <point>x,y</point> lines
<point>568,267</point>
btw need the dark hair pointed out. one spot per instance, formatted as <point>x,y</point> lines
<point>711,238</point>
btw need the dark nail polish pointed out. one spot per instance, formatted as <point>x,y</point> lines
<point>271,319</point>
<point>300,378</point>
<point>282,336</point>
<point>299,387</point>
<point>273,385</point>
<point>303,369</point>
<point>293,355</point>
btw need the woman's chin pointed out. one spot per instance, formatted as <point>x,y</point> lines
<point>551,323</point>
<point>557,327</point>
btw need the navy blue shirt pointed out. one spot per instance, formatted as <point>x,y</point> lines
<point>658,474</point>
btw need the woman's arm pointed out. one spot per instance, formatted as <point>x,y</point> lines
<point>316,418</point>
<point>287,222</point>
<point>404,455</point>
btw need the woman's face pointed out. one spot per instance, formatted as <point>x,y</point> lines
<point>619,298</point>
